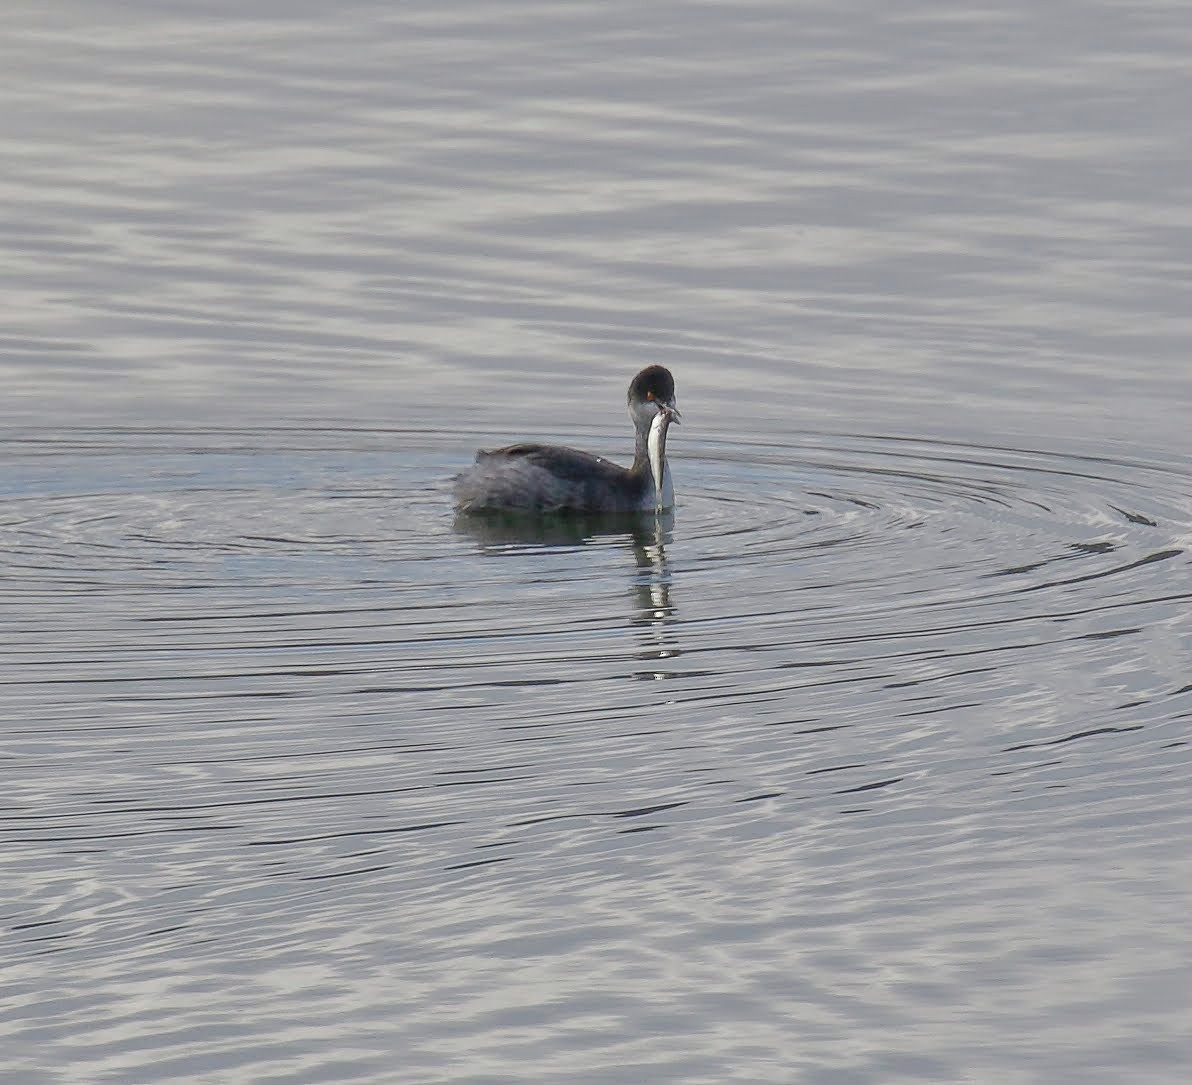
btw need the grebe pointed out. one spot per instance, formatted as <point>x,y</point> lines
<point>551,478</point>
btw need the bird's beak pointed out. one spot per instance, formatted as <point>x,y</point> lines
<point>674,411</point>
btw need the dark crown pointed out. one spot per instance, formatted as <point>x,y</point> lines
<point>653,382</point>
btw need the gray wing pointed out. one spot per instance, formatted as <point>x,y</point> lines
<point>537,477</point>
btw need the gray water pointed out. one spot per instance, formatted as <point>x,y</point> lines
<point>869,764</point>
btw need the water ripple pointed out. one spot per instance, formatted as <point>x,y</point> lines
<point>870,763</point>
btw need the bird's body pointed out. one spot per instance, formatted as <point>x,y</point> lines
<point>553,478</point>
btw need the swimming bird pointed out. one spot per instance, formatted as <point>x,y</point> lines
<point>551,478</point>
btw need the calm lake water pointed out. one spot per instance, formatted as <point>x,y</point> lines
<point>869,764</point>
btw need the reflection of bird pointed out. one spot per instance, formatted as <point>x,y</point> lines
<point>551,478</point>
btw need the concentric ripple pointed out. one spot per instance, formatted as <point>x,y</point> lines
<point>266,676</point>
<point>278,557</point>
<point>908,525</point>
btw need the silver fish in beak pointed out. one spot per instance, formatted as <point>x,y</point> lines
<point>656,445</point>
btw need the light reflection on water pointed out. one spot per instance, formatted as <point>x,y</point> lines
<point>868,764</point>
<point>271,708</point>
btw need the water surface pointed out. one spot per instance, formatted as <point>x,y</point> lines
<point>869,764</point>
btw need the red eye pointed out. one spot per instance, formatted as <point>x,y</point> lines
<point>649,395</point>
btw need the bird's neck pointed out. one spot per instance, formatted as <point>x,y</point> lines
<point>641,448</point>
<point>641,453</point>
<point>641,460</point>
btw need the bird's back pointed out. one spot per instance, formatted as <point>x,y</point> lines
<point>545,478</point>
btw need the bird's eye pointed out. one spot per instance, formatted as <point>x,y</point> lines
<point>649,395</point>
